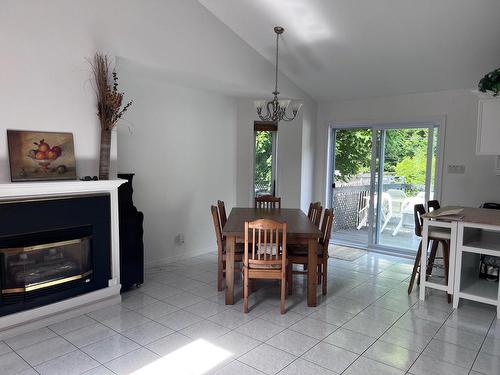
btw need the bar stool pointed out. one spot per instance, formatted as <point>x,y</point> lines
<point>433,205</point>
<point>437,236</point>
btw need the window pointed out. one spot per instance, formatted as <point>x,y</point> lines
<point>265,141</point>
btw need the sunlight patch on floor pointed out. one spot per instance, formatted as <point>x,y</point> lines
<point>196,358</point>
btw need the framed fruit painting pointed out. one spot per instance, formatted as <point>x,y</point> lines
<point>39,156</point>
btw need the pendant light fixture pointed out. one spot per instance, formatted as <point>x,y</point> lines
<point>276,109</point>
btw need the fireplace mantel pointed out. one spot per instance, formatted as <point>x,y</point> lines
<point>56,188</point>
<point>31,319</point>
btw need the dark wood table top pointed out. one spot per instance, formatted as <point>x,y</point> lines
<point>298,223</point>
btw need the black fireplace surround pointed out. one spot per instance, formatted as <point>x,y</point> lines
<point>53,249</point>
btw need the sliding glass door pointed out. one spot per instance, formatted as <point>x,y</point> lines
<point>350,186</point>
<point>378,174</point>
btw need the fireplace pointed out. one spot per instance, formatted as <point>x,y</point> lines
<point>41,263</point>
<point>52,250</point>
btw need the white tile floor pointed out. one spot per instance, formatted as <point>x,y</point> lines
<point>177,323</point>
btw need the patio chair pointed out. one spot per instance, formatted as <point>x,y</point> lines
<point>399,201</point>
<point>385,215</point>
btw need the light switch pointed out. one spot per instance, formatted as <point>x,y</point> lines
<point>456,169</point>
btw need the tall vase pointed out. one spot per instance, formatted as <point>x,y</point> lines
<point>104,156</point>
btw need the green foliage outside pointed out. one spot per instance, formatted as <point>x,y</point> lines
<point>405,153</point>
<point>263,160</point>
<point>352,152</point>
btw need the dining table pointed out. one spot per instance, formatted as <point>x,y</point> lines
<point>301,231</point>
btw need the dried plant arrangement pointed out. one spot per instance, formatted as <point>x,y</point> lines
<point>110,107</point>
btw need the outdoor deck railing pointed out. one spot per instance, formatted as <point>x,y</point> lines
<point>348,201</point>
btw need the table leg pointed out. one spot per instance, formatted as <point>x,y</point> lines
<point>423,259</point>
<point>230,246</point>
<point>457,250</point>
<point>312,271</point>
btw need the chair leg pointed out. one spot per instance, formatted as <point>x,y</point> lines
<point>324,275</point>
<point>319,273</point>
<point>220,276</point>
<point>289,277</point>
<point>432,258</point>
<point>245,290</point>
<point>290,281</point>
<point>253,285</point>
<point>415,268</point>
<point>446,258</point>
<point>283,293</point>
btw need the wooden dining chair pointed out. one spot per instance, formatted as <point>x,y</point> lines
<point>314,213</point>
<point>267,201</point>
<point>265,255</point>
<point>221,250</point>
<point>222,213</point>
<point>436,236</point>
<point>299,254</point>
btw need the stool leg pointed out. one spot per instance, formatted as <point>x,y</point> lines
<point>446,258</point>
<point>415,268</point>
<point>432,258</point>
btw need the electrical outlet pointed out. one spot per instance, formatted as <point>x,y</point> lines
<point>456,169</point>
<point>179,239</point>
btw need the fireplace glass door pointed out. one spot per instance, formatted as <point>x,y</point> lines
<point>31,268</point>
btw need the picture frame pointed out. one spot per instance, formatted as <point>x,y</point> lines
<point>41,156</point>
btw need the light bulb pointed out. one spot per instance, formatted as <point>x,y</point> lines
<point>296,106</point>
<point>284,103</point>
<point>259,104</point>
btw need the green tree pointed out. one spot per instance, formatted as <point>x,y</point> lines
<point>413,169</point>
<point>405,148</point>
<point>401,144</point>
<point>263,158</point>
<point>352,152</point>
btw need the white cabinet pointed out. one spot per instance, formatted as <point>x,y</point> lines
<point>488,127</point>
<point>474,240</point>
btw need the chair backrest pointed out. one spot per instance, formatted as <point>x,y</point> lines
<point>267,201</point>
<point>433,205</point>
<point>418,211</point>
<point>491,206</point>
<point>326,227</point>
<point>265,243</point>
<point>396,194</point>
<point>217,227</point>
<point>314,213</point>
<point>397,199</point>
<point>222,213</point>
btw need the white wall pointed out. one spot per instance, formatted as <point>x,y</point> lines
<point>309,117</point>
<point>44,77</point>
<point>182,149</point>
<point>478,184</point>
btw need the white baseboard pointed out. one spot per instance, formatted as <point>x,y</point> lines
<point>185,255</point>
<point>25,321</point>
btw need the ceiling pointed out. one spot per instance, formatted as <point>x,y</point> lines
<point>338,49</point>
